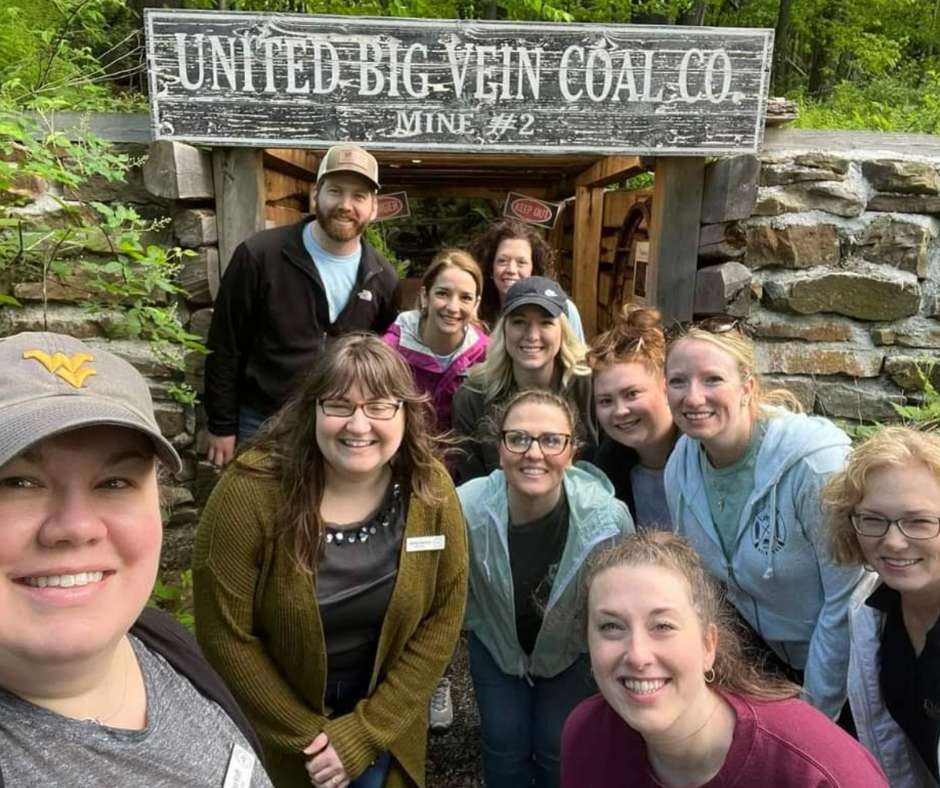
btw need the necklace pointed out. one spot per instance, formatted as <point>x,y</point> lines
<point>113,713</point>
<point>385,517</point>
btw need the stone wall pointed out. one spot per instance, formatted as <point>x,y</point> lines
<point>161,187</point>
<point>835,261</point>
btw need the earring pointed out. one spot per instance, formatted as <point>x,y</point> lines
<point>709,675</point>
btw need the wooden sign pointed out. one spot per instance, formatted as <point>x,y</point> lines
<point>531,210</point>
<point>393,205</point>
<point>285,80</point>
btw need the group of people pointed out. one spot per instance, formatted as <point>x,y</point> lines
<point>724,593</point>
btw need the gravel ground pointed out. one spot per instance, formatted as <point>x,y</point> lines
<point>454,756</point>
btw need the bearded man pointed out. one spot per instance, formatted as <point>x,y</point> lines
<point>286,291</point>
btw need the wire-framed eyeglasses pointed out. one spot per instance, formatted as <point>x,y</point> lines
<point>914,527</point>
<point>379,409</point>
<point>551,443</point>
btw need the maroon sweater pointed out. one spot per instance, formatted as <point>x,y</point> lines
<point>777,744</point>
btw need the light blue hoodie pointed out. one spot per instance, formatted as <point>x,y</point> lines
<point>781,577</point>
<point>595,518</point>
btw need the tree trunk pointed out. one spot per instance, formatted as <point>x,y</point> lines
<point>781,47</point>
<point>694,15</point>
<point>819,82</point>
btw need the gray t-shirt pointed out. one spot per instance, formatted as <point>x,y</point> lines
<point>649,498</point>
<point>188,741</point>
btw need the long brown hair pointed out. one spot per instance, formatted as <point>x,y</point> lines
<point>734,670</point>
<point>292,455</point>
<point>484,249</point>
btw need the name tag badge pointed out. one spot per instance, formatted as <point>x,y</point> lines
<point>241,764</point>
<point>421,544</point>
<point>364,295</point>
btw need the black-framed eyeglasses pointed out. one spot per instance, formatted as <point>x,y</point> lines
<point>915,527</point>
<point>551,443</point>
<point>716,324</point>
<point>378,409</point>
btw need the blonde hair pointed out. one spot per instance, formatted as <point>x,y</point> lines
<point>891,447</point>
<point>494,377</point>
<point>635,337</point>
<point>741,349</point>
<point>734,668</point>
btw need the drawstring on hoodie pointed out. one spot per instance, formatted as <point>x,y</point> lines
<point>771,545</point>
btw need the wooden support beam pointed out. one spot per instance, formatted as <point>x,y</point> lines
<point>610,170</point>
<point>588,223</point>
<point>238,174</point>
<point>675,219</point>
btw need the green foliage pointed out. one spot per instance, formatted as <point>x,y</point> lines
<point>106,254</point>
<point>57,54</point>
<point>376,237</point>
<point>175,596</point>
<point>887,103</point>
<point>924,415</point>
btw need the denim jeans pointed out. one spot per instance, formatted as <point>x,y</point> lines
<point>249,422</point>
<point>520,723</point>
<point>343,691</point>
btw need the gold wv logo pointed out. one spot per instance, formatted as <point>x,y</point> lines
<point>69,368</point>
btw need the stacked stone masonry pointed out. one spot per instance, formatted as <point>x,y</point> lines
<point>174,183</point>
<point>843,292</point>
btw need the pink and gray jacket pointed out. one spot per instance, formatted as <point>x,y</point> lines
<point>405,336</point>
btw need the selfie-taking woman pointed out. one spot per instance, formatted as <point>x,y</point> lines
<point>679,705</point>
<point>532,525</point>
<point>743,486</point>
<point>330,575</point>
<point>884,512</point>
<point>442,340</point>
<point>95,689</point>
<point>509,251</point>
<point>532,346</point>
<point>633,413</point>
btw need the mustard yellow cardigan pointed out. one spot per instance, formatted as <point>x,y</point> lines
<point>259,625</point>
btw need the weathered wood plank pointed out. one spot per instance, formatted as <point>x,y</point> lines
<point>609,170</point>
<point>239,197</point>
<point>674,226</point>
<point>277,186</point>
<point>730,191</point>
<point>588,224</point>
<point>177,171</point>
<point>391,83</point>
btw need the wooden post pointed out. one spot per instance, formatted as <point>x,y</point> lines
<point>238,174</point>
<point>674,228</point>
<point>588,223</point>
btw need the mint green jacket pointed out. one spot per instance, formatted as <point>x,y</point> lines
<point>597,518</point>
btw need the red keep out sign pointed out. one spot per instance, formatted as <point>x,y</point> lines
<point>392,206</point>
<point>531,210</point>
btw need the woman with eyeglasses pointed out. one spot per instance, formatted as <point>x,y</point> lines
<point>508,252</point>
<point>532,347</point>
<point>330,575</point>
<point>633,413</point>
<point>532,525</point>
<point>883,511</point>
<point>743,486</point>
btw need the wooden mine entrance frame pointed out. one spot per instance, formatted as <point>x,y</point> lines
<point>199,96</point>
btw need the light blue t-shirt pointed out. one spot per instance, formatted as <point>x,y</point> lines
<point>338,274</point>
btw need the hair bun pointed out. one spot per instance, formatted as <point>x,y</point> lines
<point>641,317</point>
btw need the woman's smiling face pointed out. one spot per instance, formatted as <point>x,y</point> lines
<point>649,652</point>
<point>81,543</point>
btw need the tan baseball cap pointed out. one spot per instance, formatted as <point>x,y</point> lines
<point>350,158</point>
<point>53,383</point>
